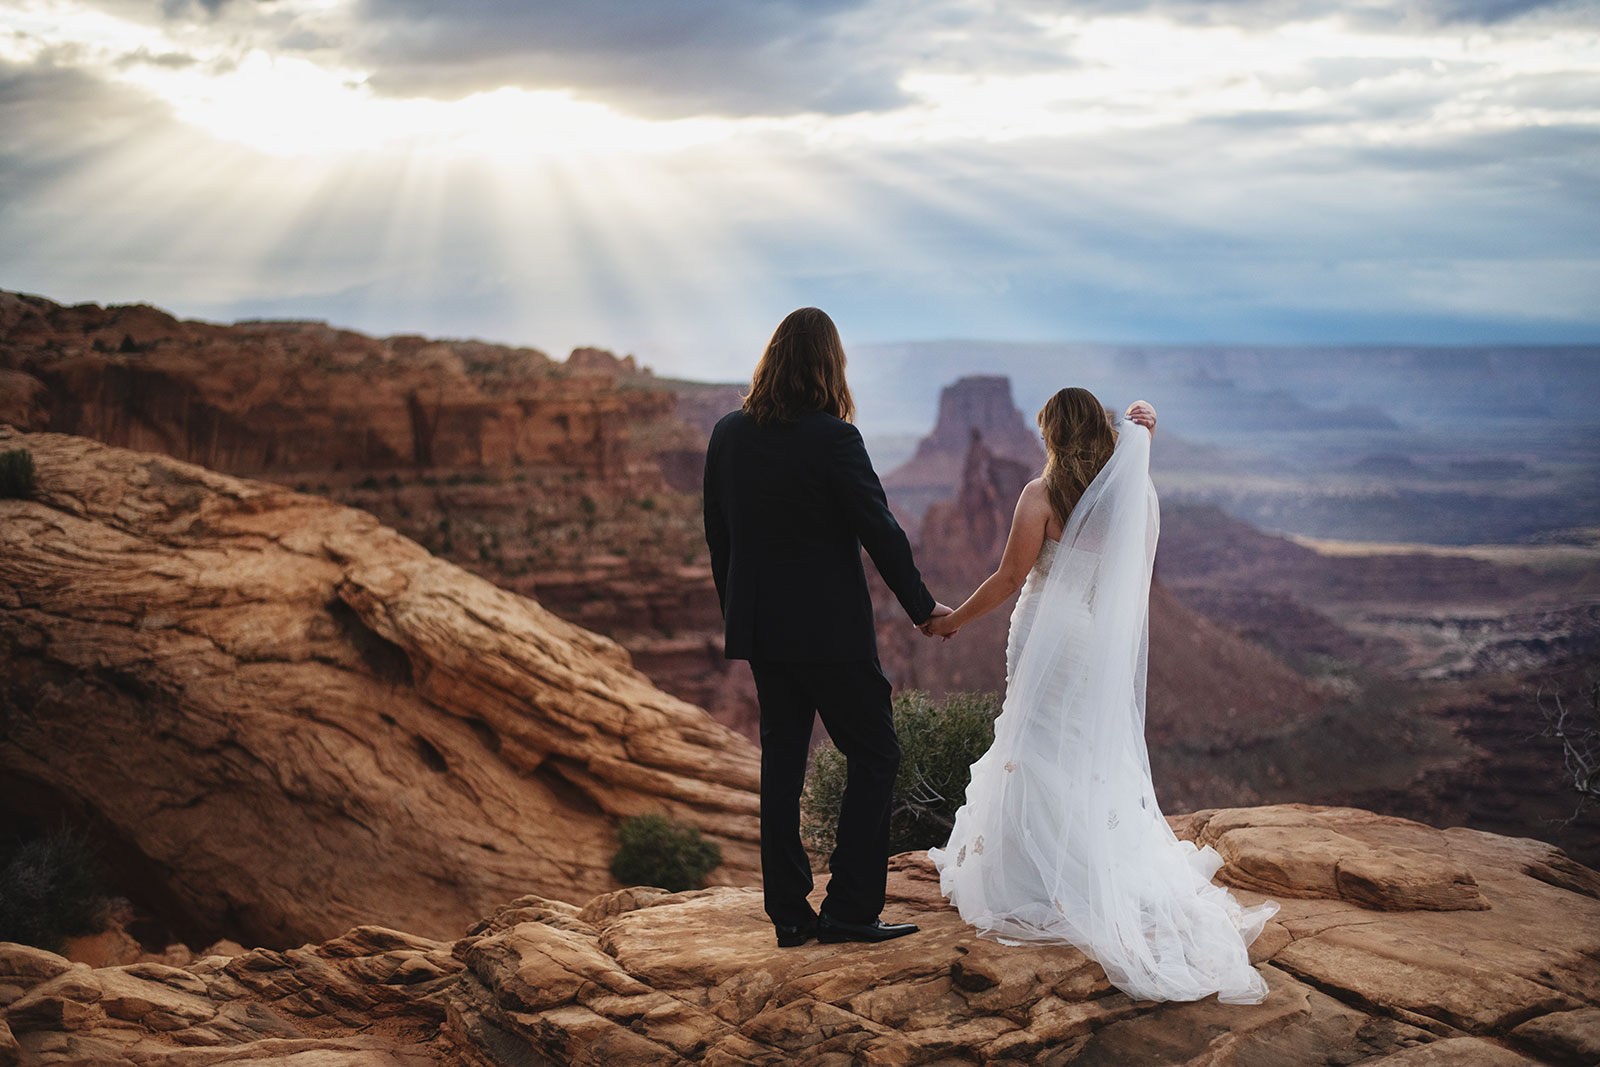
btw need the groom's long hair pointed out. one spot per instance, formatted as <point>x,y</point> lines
<point>801,370</point>
<point>1078,440</point>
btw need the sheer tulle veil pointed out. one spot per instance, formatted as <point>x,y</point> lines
<point>1060,839</point>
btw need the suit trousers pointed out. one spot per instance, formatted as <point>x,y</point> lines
<point>853,698</point>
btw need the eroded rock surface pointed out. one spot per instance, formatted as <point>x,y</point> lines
<point>288,719</point>
<point>574,483</point>
<point>1509,977</point>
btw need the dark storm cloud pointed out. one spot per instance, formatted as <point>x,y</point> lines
<point>55,121</point>
<point>782,57</point>
<point>728,57</point>
<point>1492,11</point>
<point>49,110</point>
<point>180,8</point>
<point>144,57</point>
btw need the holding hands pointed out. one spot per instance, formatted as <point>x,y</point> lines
<point>1033,515</point>
<point>936,626</point>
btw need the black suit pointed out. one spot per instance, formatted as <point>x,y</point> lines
<point>788,508</point>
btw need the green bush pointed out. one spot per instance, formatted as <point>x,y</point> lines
<point>939,743</point>
<point>16,473</point>
<point>50,890</point>
<point>654,850</point>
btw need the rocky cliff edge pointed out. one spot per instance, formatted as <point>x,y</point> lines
<point>1397,945</point>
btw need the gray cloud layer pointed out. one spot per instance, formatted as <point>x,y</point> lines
<point>779,57</point>
<point>1206,229</point>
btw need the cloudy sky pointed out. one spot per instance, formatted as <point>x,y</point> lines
<point>669,177</point>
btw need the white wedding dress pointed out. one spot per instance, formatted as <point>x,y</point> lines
<point>1060,840</point>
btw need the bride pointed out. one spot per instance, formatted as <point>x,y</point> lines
<point>1060,840</point>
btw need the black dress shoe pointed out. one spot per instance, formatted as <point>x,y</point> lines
<point>832,931</point>
<point>794,936</point>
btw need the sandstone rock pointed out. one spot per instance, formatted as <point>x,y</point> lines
<point>532,473</point>
<point>65,1002</point>
<point>105,949</point>
<point>638,976</point>
<point>383,736</point>
<point>335,1005</point>
<point>945,996</point>
<point>1455,1052</point>
<point>263,397</point>
<point>1570,1038</point>
<point>24,966</point>
<point>979,403</point>
<point>1296,852</point>
<point>23,400</point>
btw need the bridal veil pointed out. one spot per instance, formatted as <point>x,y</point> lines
<point>1060,839</point>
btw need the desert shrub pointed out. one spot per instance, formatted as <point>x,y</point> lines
<point>654,850</point>
<point>16,473</point>
<point>939,743</point>
<point>50,890</point>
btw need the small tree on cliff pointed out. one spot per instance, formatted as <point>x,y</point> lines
<point>939,742</point>
<point>16,473</point>
<point>1576,724</point>
<point>654,850</point>
<point>50,889</point>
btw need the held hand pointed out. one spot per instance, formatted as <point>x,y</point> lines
<point>1142,413</point>
<point>936,626</point>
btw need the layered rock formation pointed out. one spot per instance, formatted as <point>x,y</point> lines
<point>286,397</point>
<point>281,718</point>
<point>1397,945</point>
<point>576,483</point>
<point>980,403</point>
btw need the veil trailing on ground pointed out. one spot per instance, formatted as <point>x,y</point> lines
<point>1060,839</point>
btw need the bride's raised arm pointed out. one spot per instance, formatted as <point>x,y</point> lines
<point>1028,524</point>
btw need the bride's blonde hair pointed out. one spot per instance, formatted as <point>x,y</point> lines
<point>1078,440</point>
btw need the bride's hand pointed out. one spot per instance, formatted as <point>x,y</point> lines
<point>938,624</point>
<point>1142,413</point>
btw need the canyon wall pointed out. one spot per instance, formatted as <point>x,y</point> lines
<point>279,718</point>
<point>978,403</point>
<point>572,482</point>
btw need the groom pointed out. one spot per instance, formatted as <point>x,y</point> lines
<point>790,499</point>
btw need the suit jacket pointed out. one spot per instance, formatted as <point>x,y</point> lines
<point>788,508</point>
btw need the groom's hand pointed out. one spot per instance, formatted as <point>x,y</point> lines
<point>930,627</point>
